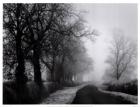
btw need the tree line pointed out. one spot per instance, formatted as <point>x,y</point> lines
<point>48,34</point>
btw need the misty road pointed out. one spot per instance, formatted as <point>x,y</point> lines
<point>67,95</point>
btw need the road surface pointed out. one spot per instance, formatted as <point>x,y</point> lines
<point>67,94</point>
<point>64,96</point>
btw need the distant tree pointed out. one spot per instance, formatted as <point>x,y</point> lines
<point>76,63</point>
<point>122,57</point>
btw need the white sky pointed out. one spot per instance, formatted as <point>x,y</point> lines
<point>104,18</point>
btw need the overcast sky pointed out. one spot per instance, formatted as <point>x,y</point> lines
<point>105,18</point>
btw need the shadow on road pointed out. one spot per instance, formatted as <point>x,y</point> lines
<point>92,95</point>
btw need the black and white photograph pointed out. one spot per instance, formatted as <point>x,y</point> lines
<point>70,53</point>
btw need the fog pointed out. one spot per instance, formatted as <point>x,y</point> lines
<point>105,18</point>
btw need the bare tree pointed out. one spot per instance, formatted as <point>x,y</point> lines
<point>14,27</point>
<point>122,55</point>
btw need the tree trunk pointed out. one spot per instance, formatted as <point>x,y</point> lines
<point>37,72</point>
<point>117,74</point>
<point>61,70</point>
<point>52,69</point>
<point>20,70</point>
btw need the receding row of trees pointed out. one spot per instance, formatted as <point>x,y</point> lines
<point>46,34</point>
